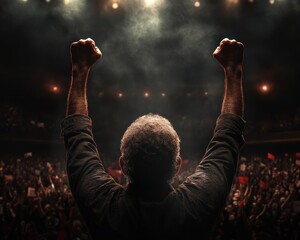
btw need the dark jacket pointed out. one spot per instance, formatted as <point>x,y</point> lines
<point>112,211</point>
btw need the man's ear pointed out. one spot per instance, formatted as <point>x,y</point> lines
<point>122,165</point>
<point>178,164</point>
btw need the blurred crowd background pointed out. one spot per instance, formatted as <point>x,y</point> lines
<point>36,203</point>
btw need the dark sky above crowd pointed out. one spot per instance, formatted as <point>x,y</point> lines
<point>150,46</point>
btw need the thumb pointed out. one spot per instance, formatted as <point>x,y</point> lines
<point>216,52</point>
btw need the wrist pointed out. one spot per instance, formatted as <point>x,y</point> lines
<point>233,68</point>
<point>80,69</point>
<point>233,71</point>
<point>78,81</point>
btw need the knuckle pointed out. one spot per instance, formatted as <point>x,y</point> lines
<point>74,44</point>
<point>225,41</point>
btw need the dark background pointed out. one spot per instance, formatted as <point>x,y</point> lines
<point>164,48</point>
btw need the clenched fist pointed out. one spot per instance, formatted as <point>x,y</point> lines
<point>229,53</point>
<point>84,53</point>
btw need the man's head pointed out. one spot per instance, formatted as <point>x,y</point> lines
<point>150,150</point>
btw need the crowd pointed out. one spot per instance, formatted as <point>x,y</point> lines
<point>36,203</point>
<point>264,201</point>
<point>15,122</point>
<point>35,200</point>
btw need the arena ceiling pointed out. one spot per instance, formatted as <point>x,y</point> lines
<point>156,47</point>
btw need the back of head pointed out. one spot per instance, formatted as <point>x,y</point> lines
<point>150,148</point>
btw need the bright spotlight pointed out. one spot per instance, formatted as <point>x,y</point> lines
<point>152,3</point>
<point>115,5</point>
<point>271,2</point>
<point>120,95</point>
<point>47,1</point>
<point>251,1</point>
<point>264,88</point>
<point>163,94</point>
<point>146,94</point>
<point>54,89</point>
<point>24,0</point>
<point>233,1</point>
<point>197,4</point>
<point>66,2</point>
<point>205,93</point>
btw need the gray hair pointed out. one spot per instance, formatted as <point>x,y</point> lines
<point>150,147</point>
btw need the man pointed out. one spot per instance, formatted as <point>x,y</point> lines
<point>149,207</point>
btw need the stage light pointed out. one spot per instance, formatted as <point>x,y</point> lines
<point>120,95</point>
<point>115,5</point>
<point>251,1</point>
<point>146,94</point>
<point>271,2</point>
<point>24,0</point>
<point>264,88</point>
<point>47,1</point>
<point>233,1</point>
<point>54,88</point>
<point>66,2</point>
<point>205,93</point>
<point>197,4</point>
<point>152,3</point>
<point>163,94</point>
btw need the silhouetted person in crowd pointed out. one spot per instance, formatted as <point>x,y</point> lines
<point>148,207</point>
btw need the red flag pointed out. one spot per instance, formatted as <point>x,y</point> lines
<point>116,174</point>
<point>185,162</point>
<point>9,178</point>
<point>263,185</point>
<point>243,180</point>
<point>31,192</point>
<point>271,157</point>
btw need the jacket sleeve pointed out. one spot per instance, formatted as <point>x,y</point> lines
<point>212,180</point>
<point>88,180</point>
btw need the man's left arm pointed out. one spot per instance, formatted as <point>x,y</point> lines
<point>213,177</point>
<point>84,54</point>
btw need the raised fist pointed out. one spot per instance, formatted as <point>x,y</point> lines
<point>229,53</point>
<point>84,53</point>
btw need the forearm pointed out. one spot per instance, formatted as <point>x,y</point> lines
<point>233,101</point>
<point>286,201</point>
<point>77,100</point>
<point>262,212</point>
